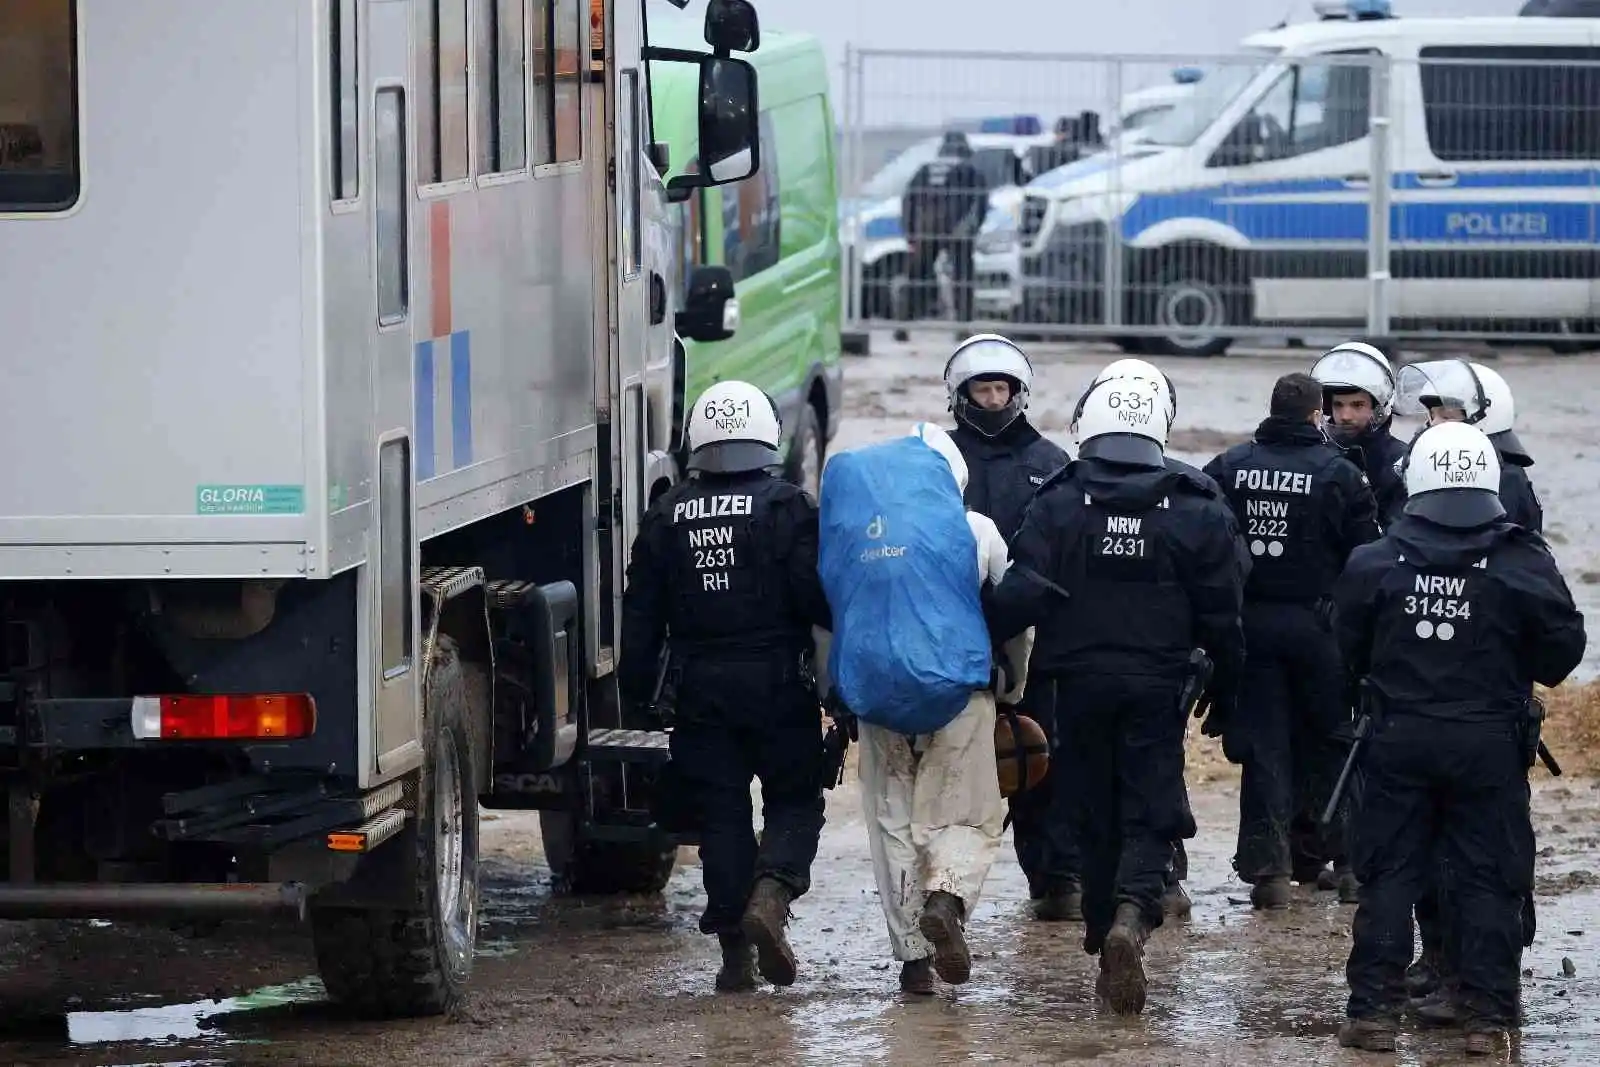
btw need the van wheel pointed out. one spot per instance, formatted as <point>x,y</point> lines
<point>807,452</point>
<point>1192,305</point>
<point>415,958</point>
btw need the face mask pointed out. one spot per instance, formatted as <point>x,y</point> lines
<point>989,423</point>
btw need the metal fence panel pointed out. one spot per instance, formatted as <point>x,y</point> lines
<point>1451,196</point>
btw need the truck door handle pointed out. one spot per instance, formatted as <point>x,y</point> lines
<point>1436,179</point>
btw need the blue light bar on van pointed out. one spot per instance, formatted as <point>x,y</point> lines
<point>1021,125</point>
<point>1187,75</point>
<point>1355,10</point>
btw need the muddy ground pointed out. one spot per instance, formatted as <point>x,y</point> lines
<point>577,982</point>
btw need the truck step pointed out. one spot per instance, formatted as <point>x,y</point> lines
<point>629,746</point>
<point>447,583</point>
<point>508,594</point>
<point>370,834</point>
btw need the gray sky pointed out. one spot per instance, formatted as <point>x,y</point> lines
<point>904,89</point>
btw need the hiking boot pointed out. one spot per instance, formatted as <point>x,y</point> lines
<point>1327,881</point>
<point>1368,1035</point>
<point>941,925</point>
<point>1121,961</point>
<point>1437,1008</point>
<point>1175,902</point>
<point>1060,904</point>
<point>764,919</point>
<point>1271,893</point>
<point>738,974</point>
<point>1422,977</point>
<point>916,976</point>
<point>1349,888</point>
<point>1487,1041</point>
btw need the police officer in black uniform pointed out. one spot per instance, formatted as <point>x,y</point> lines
<point>1302,507</point>
<point>1449,620</point>
<point>942,209</point>
<point>1359,384</point>
<point>1124,567</point>
<point>1454,390</point>
<point>989,380</point>
<point>724,571</point>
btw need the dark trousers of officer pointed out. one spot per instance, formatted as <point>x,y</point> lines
<point>1453,795</point>
<point>1122,788</point>
<point>1289,734</point>
<point>922,281</point>
<point>1046,848</point>
<point>738,721</point>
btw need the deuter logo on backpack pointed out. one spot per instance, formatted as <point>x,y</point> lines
<point>876,530</point>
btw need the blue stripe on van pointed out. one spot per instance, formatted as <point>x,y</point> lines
<point>422,416</point>
<point>460,399</point>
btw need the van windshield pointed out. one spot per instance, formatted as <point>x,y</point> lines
<point>1194,114</point>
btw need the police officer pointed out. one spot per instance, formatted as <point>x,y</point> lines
<point>943,207</point>
<point>1454,390</point>
<point>1124,567</point>
<point>1176,902</point>
<point>1449,619</point>
<point>1303,507</point>
<point>724,572</point>
<point>1358,384</point>
<point>989,381</point>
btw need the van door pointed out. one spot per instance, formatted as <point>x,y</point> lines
<point>1296,182</point>
<point>1497,223</point>
<point>751,235</point>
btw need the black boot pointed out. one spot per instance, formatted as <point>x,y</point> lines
<point>1271,893</point>
<point>764,919</point>
<point>916,976</point>
<point>738,974</point>
<point>1062,902</point>
<point>1122,959</point>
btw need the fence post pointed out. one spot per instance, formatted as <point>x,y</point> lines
<point>1379,202</point>
<point>1111,306</point>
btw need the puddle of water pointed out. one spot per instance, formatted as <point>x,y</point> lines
<point>181,1022</point>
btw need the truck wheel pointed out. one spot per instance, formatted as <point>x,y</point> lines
<point>806,453</point>
<point>603,868</point>
<point>416,959</point>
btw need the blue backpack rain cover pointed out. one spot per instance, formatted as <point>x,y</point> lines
<point>899,565</point>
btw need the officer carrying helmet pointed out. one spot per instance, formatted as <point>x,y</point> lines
<point>1358,385</point>
<point>942,209</point>
<point>1303,507</point>
<point>723,574</point>
<point>1447,622</point>
<point>989,381</point>
<point>1124,567</point>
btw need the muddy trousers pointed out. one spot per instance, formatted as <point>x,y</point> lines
<point>716,764</point>
<point>1429,792</point>
<point>934,816</point>
<point>1288,736</point>
<point>1047,852</point>
<point>1122,788</point>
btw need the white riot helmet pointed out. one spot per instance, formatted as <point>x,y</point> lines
<point>1134,368</point>
<point>1125,421</point>
<point>984,356</point>
<point>1501,420</point>
<point>1453,477</point>
<point>1478,392</point>
<point>1356,367</point>
<point>734,427</point>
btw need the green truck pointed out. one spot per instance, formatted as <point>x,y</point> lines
<point>777,232</point>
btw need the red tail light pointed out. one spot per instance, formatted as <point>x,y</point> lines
<point>236,716</point>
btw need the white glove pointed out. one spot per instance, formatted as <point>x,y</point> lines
<point>993,558</point>
<point>1017,652</point>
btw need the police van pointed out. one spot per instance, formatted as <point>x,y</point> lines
<point>1248,203</point>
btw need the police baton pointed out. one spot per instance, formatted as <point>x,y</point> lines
<point>1195,683</point>
<point>1549,761</point>
<point>1360,733</point>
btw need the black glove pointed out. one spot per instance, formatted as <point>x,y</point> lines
<point>1217,705</point>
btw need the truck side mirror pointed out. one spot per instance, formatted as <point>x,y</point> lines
<point>710,311</point>
<point>730,139</point>
<point>732,26</point>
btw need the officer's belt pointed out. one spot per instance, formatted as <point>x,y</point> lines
<point>1470,712</point>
